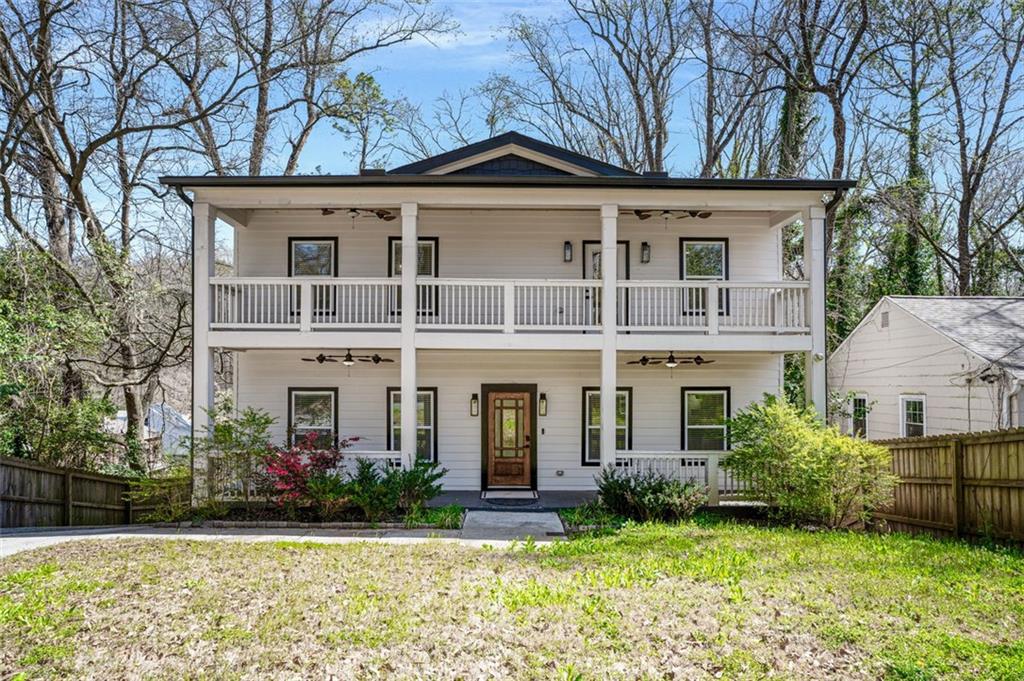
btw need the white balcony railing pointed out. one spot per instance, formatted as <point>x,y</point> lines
<point>700,467</point>
<point>777,307</point>
<point>509,306</point>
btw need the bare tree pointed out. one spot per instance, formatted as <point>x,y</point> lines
<point>603,79</point>
<point>980,50</point>
<point>294,51</point>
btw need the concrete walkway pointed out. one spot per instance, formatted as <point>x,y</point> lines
<point>481,528</point>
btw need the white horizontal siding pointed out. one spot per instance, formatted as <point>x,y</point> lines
<point>908,357</point>
<point>508,243</point>
<point>265,376</point>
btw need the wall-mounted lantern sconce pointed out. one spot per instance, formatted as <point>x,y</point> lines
<point>542,404</point>
<point>567,251</point>
<point>645,252</point>
<point>474,405</point>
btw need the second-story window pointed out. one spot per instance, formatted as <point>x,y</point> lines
<point>427,258</point>
<point>312,257</point>
<point>702,260</point>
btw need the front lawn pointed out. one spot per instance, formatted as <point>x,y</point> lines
<point>700,599</point>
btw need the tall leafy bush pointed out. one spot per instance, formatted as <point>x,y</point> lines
<point>806,471</point>
<point>648,496</point>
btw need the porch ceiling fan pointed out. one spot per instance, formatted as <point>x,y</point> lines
<point>671,361</point>
<point>677,214</point>
<point>348,359</point>
<point>353,213</point>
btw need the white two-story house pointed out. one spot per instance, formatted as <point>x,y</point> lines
<point>563,314</point>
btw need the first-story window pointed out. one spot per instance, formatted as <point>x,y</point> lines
<point>426,422</point>
<point>592,423</point>
<point>705,411</point>
<point>912,415</point>
<point>859,416</point>
<point>313,411</point>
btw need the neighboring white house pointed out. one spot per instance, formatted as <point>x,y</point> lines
<point>932,365</point>
<point>519,348</point>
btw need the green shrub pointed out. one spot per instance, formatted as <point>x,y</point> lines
<point>417,485</point>
<point>330,494</point>
<point>805,471</point>
<point>648,496</point>
<point>372,492</point>
<point>170,495</point>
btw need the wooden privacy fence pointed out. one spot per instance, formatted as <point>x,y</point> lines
<point>969,484</point>
<point>36,495</point>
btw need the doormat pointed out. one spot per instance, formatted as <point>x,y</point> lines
<point>511,502</point>
<point>509,494</point>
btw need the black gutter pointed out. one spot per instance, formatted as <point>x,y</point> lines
<point>771,184</point>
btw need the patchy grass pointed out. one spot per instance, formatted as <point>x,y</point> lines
<point>442,517</point>
<point>700,599</point>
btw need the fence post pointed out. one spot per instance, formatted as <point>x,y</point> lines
<point>127,503</point>
<point>67,497</point>
<point>956,449</point>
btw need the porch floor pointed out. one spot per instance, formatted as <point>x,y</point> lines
<point>550,500</point>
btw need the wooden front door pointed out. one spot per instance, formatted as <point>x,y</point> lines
<point>508,438</point>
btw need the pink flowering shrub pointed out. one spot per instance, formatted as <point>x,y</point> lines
<point>291,469</point>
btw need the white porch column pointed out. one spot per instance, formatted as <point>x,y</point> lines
<point>408,359</point>
<point>203,220</point>
<point>609,330</point>
<point>814,269</point>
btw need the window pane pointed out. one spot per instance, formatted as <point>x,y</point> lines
<point>704,260</point>
<point>620,438</point>
<point>313,410</point>
<point>425,259</point>
<point>594,408</point>
<point>621,409</point>
<point>705,409</point>
<point>312,258</point>
<point>593,444</point>
<point>396,257</point>
<point>859,420</point>
<point>913,417</point>
<point>705,438</point>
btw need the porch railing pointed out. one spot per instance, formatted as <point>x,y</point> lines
<point>701,467</point>
<point>508,306</point>
<point>713,306</point>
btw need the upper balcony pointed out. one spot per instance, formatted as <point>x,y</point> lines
<point>508,306</point>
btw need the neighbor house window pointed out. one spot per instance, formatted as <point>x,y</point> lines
<point>312,257</point>
<point>704,260</point>
<point>705,411</point>
<point>592,423</point>
<point>426,422</point>
<point>313,410</point>
<point>426,266</point>
<point>912,410</point>
<point>859,416</point>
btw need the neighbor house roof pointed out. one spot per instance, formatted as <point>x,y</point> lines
<point>509,160</point>
<point>990,327</point>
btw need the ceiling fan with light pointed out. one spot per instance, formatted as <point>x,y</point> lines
<point>348,359</point>
<point>353,213</point>
<point>671,361</point>
<point>677,214</point>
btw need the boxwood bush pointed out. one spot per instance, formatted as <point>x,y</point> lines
<point>648,496</point>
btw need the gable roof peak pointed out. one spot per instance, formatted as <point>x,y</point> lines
<point>539,155</point>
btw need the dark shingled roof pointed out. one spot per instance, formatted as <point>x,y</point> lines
<point>990,327</point>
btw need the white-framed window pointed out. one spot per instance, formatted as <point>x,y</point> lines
<point>426,422</point>
<point>313,257</point>
<point>592,423</point>
<point>313,410</point>
<point>859,409</point>
<point>913,415</point>
<point>705,411</point>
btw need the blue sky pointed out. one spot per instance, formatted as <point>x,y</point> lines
<point>421,72</point>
